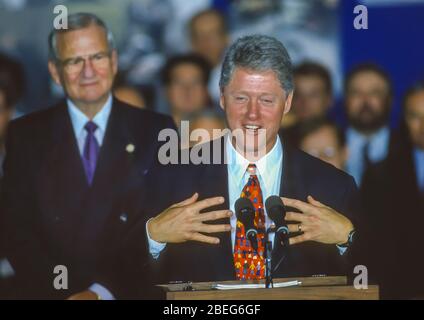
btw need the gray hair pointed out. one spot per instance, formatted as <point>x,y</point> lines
<point>78,21</point>
<point>259,53</point>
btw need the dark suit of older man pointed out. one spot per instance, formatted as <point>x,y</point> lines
<point>54,216</point>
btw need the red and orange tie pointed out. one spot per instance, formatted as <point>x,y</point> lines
<point>248,263</point>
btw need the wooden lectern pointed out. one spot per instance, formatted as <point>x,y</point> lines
<point>311,288</point>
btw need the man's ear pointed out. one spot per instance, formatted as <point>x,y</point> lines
<point>287,104</point>
<point>222,100</point>
<point>54,72</point>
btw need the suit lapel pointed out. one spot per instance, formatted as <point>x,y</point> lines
<point>291,174</point>
<point>115,142</point>
<point>122,162</point>
<point>65,144</point>
<point>291,181</point>
<point>61,179</point>
<point>215,183</point>
<point>120,146</point>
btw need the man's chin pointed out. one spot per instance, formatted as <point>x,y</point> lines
<point>368,125</point>
<point>93,99</point>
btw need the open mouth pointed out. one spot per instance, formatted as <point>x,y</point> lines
<point>251,128</point>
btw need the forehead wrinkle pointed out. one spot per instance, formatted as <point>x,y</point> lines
<point>81,42</point>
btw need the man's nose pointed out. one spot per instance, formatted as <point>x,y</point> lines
<point>253,110</point>
<point>88,70</point>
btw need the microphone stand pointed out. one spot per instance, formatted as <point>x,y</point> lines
<point>268,258</point>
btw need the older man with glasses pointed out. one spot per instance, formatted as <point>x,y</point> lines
<point>75,174</point>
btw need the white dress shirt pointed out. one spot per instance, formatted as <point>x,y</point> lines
<point>79,120</point>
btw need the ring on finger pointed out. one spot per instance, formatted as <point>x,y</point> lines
<point>299,227</point>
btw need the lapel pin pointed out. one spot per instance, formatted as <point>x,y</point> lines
<point>130,148</point>
<point>123,217</point>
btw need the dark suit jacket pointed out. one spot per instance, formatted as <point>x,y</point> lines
<point>303,175</point>
<point>2,237</point>
<point>53,216</point>
<point>393,220</point>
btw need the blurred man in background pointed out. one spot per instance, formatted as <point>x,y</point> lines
<point>313,96</point>
<point>393,195</point>
<point>211,121</point>
<point>323,139</point>
<point>127,92</point>
<point>185,78</point>
<point>368,101</point>
<point>209,37</point>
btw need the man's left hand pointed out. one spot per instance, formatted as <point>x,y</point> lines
<point>317,221</point>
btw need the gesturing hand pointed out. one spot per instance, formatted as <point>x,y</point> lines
<point>183,221</point>
<point>318,222</point>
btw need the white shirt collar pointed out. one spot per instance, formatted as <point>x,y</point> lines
<point>237,164</point>
<point>379,135</point>
<point>79,119</point>
<point>378,142</point>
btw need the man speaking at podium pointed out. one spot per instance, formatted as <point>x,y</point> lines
<point>256,92</point>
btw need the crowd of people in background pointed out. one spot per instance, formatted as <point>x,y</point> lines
<point>387,163</point>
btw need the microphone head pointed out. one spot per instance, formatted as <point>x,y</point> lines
<point>275,210</point>
<point>245,212</point>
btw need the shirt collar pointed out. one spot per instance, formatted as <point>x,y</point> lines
<point>419,157</point>
<point>79,119</point>
<point>379,135</point>
<point>237,164</point>
<point>378,142</point>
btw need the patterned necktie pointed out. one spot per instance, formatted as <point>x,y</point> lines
<point>248,263</point>
<point>91,151</point>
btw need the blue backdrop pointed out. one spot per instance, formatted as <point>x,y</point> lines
<point>394,39</point>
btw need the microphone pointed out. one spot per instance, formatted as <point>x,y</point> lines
<point>245,212</point>
<point>277,213</point>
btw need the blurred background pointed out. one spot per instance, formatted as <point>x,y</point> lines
<point>148,32</point>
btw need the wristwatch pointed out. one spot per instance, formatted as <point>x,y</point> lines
<point>349,241</point>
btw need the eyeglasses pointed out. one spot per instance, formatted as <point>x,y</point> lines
<point>75,65</point>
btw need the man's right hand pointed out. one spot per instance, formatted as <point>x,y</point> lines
<point>183,222</point>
